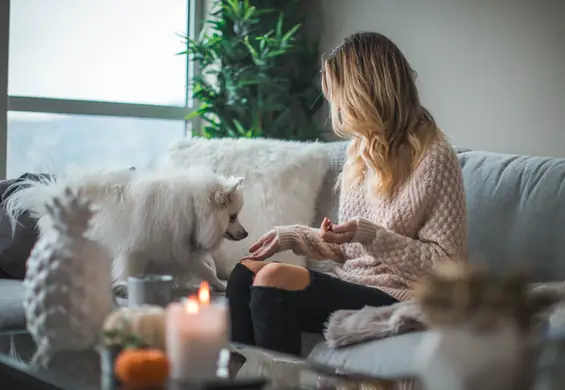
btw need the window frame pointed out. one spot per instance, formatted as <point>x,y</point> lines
<point>16,103</point>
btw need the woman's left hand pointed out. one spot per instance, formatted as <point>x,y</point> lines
<point>338,234</point>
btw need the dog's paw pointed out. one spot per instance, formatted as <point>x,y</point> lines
<point>220,285</point>
<point>120,290</point>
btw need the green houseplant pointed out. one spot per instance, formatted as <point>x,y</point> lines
<point>258,72</point>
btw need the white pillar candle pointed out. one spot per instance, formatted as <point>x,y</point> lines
<point>196,332</point>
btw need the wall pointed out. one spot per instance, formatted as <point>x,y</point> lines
<point>491,71</point>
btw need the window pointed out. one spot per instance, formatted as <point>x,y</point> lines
<point>54,143</point>
<point>92,82</point>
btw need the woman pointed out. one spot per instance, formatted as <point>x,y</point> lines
<point>402,207</point>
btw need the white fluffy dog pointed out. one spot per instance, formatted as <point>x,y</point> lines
<point>173,216</point>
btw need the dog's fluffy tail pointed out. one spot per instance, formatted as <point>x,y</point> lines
<point>32,196</point>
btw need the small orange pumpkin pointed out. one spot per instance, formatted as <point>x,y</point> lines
<point>138,368</point>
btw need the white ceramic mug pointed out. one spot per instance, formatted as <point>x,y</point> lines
<point>150,290</point>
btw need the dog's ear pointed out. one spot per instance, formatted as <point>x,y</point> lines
<point>222,195</point>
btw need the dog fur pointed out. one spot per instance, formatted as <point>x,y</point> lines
<point>172,216</point>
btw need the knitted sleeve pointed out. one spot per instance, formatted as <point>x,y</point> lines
<point>443,234</point>
<point>306,241</point>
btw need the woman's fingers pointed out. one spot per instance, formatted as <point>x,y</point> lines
<point>324,233</point>
<point>256,246</point>
<point>261,253</point>
<point>264,248</point>
<point>254,257</point>
<point>258,256</point>
<point>262,241</point>
<point>269,251</point>
<point>344,227</point>
<point>337,234</point>
<point>329,225</point>
<point>324,226</point>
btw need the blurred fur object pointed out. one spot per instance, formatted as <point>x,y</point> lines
<point>464,295</point>
<point>348,383</point>
<point>452,295</point>
<point>481,329</point>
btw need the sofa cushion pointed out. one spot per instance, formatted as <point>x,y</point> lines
<point>16,247</point>
<point>11,304</point>
<point>516,212</point>
<point>388,358</point>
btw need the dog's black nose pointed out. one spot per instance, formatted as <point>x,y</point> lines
<point>245,234</point>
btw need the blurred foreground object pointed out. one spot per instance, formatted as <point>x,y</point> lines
<point>550,373</point>
<point>479,330</point>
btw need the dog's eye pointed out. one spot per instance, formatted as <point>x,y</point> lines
<point>233,218</point>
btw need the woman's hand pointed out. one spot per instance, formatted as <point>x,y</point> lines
<point>267,246</point>
<point>338,234</point>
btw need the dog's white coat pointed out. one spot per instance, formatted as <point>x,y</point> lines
<point>282,181</point>
<point>173,216</point>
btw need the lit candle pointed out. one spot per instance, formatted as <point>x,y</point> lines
<point>196,332</point>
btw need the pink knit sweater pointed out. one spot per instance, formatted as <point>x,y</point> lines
<point>399,239</point>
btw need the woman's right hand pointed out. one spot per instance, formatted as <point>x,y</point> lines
<point>265,247</point>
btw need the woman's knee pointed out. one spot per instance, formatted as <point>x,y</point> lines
<point>253,265</point>
<point>239,282</point>
<point>282,276</point>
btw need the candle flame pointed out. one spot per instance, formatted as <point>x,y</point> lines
<point>204,293</point>
<point>191,306</point>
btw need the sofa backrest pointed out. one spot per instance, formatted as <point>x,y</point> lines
<point>515,208</point>
<point>328,198</point>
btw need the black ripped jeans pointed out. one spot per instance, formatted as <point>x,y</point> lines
<point>274,319</point>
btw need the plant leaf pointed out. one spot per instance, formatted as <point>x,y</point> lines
<point>257,77</point>
<point>290,33</point>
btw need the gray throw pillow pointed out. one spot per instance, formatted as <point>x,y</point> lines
<point>15,249</point>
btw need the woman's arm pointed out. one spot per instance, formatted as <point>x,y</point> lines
<point>306,241</point>
<point>443,235</point>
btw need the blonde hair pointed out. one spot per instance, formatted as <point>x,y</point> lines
<point>374,100</point>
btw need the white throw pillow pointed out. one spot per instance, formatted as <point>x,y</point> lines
<point>281,184</point>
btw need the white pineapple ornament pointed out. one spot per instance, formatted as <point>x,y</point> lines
<point>68,284</point>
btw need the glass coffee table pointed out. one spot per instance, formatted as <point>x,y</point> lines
<point>250,368</point>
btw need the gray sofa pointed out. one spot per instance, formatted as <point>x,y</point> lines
<point>515,216</point>
<point>516,213</point>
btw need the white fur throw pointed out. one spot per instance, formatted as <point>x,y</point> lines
<point>281,184</point>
